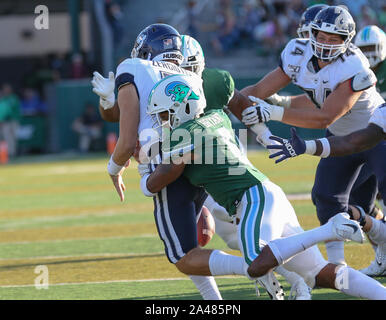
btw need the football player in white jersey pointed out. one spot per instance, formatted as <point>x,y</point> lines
<point>158,48</point>
<point>355,142</point>
<point>341,97</point>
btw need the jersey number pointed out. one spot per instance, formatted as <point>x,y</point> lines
<point>311,95</point>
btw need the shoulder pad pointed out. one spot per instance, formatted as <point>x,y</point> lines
<point>363,80</point>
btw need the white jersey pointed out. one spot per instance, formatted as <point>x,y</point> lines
<point>298,63</point>
<point>144,74</point>
<point>379,117</point>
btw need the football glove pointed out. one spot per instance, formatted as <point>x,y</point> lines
<point>261,112</point>
<point>288,148</point>
<point>104,88</point>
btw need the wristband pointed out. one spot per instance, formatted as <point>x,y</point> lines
<point>113,168</point>
<point>310,147</point>
<point>277,113</point>
<point>325,147</point>
<point>144,188</point>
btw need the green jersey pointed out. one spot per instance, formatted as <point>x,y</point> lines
<point>219,165</point>
<point>381,78</point>
<point>218,88</point>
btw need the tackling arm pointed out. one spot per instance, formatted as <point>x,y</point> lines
<point>163,175</point>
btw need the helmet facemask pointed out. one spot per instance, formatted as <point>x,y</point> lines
<point>194,59</point>
<point>328,52</point>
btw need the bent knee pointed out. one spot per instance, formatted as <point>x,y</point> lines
<point>195,262</point>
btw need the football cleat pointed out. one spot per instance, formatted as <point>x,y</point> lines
<point>300,291</point>
<point>377,268</point>
<point>271,285</point>
<point>346,229</point>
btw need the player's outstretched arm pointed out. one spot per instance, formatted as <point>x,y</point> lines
<point>355,142</point>
<point>128,126</point>
<point>270,84</point>
<point>327,147</point>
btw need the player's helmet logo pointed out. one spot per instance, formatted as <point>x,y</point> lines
<point>179,92</point>
<point>181,95</point>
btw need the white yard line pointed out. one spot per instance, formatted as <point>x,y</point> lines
<point>88,255</point>
<point>143,235</point>
<point>112,281</point>
<point>299,196</point>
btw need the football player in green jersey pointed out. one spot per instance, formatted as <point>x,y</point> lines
<point>204,149</point>
<point>372,42</point>
<point>219,91</point>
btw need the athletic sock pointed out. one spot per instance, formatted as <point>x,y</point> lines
<point>335,252</point>
<point>357,284</point>
<point>285,248</point>
<point>207,287</point>
<point>221,263</point>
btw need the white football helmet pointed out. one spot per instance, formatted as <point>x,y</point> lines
<point>336,20</point>
<point>372,41</point>
<point>181,95</point>
<point>193,55</point>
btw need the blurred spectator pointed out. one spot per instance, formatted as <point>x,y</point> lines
<point>192,28</point>
<point>382,17</point>
<point>41,74</point>
<point>59,64</point>
<point>354,7</point>
<point>78,68</point>
<point>366,17</point>
<point>227,33</point>
<point>9,118</point>
<point>32,104</point>
<point>89,127</point>
<point>114,17</point>
<point>251,15</point>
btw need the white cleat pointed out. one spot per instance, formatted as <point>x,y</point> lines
<point>377,268</point>
<point>272,285</point>
<point>300,291</point>
<point>346,229</point>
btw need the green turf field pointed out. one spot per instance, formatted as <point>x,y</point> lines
<point>65,215</point>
